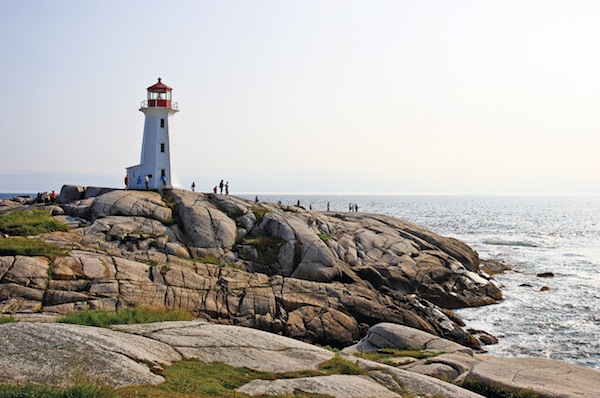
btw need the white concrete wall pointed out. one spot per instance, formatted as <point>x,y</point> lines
<point>152,159</point>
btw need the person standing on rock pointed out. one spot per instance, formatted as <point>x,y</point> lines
<point>215,189</point>
<point>227,188</point>
<point>126,182</point>
<point>147,181</point>
<point>164,180</point>
<point>193,186</point>
<point>327,206</point>
<point>139,181</point>
<point>221,185</point>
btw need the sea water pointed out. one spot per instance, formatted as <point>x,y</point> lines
<point>533,235</point>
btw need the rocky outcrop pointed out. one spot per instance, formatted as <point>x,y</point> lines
<point>127,355</point>
<point>450,361</point>
<point>62,355</point>
<point>389,335</point>
<point>338,386</point>
<point>548,378</point>
<point>320,276</point>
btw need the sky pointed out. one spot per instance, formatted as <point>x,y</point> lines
<point>328,96</point>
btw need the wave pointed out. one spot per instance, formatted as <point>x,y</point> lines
<point>517,243</point>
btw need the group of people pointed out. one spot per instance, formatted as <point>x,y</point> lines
<point>222,185</point>
<point>146,181</point>
<point>352,207</point>
<point>45,197</point>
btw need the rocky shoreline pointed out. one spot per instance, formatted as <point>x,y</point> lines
<point>320,277</point>
<point>136,355</point>
<point>324,277</point>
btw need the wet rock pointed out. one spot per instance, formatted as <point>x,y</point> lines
<point>545,275</point>
<point>483,336</point>
<point>493,267</point>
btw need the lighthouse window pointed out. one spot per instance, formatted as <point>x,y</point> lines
<point>162,123</point>
<point>162,146</point>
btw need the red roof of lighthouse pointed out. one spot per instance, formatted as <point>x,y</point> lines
<point>159,87</point>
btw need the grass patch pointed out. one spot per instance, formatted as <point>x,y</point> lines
<point>125,317</point>
<point>29,222</point>
<point>324,237</point>
<point>190,378</point>
<point>215,261</point>
<point>8,319</point>
<point>492,391</point>
<point>169,201</point>
<point>20,246</point>
<point>385,353</point>
<point>35,391</point>
<point>266,246</point>
<point>259,212</point>
<point>210,260</point>
<point>339,365</point>
<point>194,378</point>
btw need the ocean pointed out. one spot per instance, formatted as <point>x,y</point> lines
<point>532,234</point>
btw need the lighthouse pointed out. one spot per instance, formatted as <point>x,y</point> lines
<point>157,169</point>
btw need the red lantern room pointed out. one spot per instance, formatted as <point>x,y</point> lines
<point>159,95</point>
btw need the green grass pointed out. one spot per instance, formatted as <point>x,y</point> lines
<point>385,353</point>
<point>259,212</point>
<point>7,319</point>
<point>35,391</point>
<point>123,317</point>
<point>194,378</point>
<point>29,222</point>
<point>266,246</point>
<point>338,365</point>
<point>324,237</point>
<point>20,246</point>
<point>169,201</point>
<point>190,378</point>
<point>491,391</point>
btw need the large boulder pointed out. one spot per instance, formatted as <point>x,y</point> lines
<point>389,335</point>
<point>131,203</point>
<point>209,230</point>
<point>70,193</point>
<point>339,386</point>
<point>547,378</point>
<point>233,345</point>
<point>62,355</point>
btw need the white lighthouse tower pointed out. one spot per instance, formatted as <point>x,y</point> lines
<point>157,169</point>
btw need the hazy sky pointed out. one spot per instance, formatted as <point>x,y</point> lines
<point>307,96</point>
